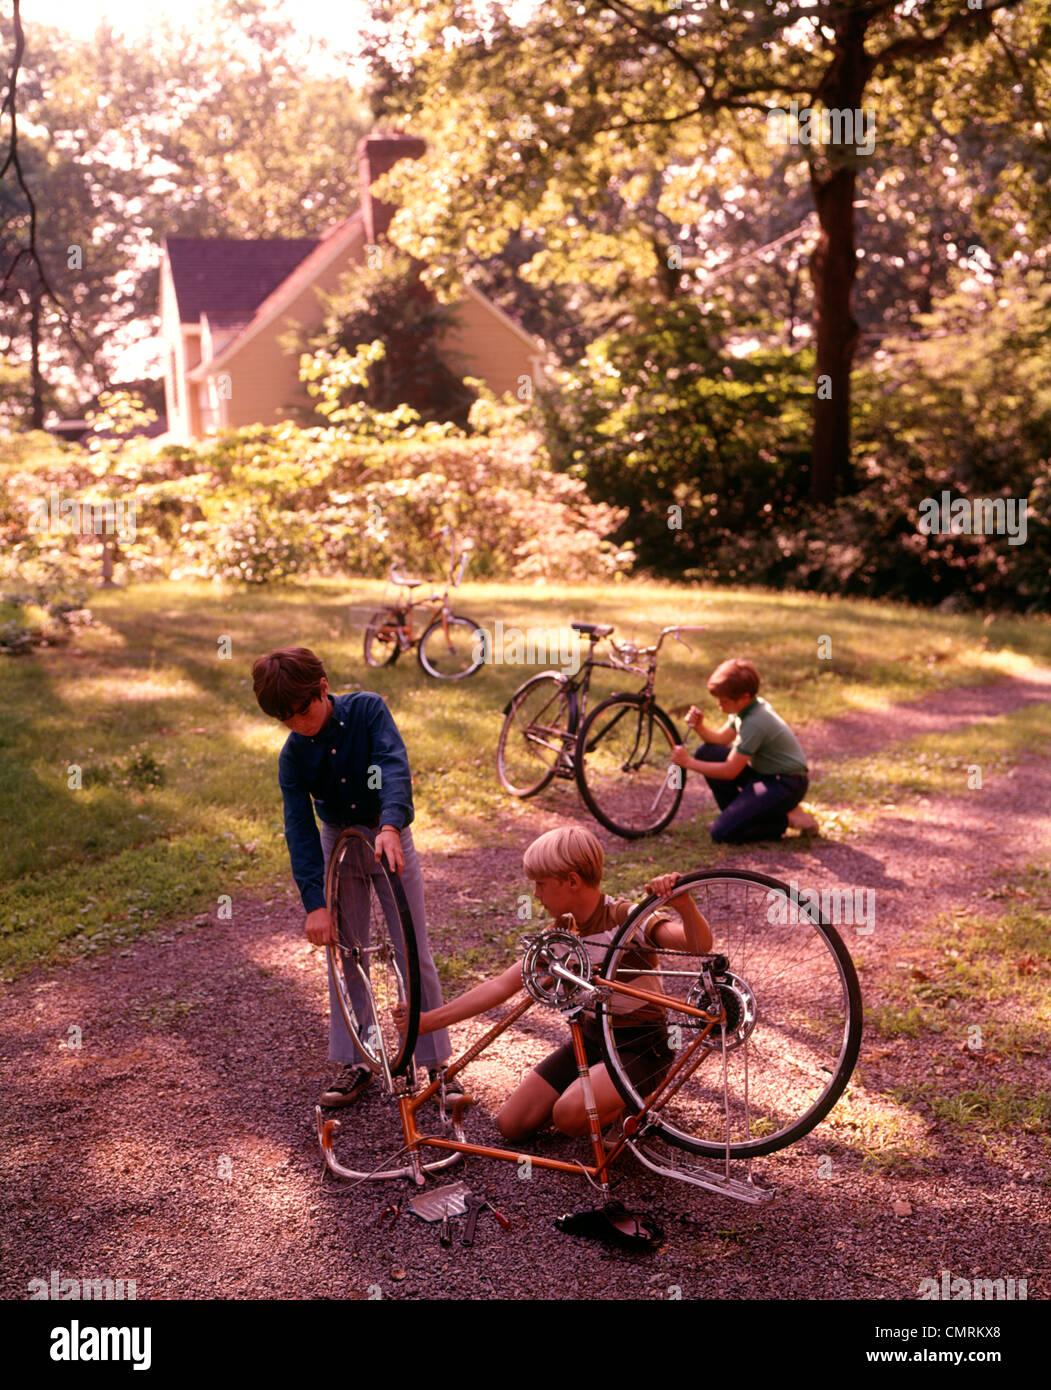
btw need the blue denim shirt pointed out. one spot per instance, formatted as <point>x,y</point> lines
<point>359,744</point>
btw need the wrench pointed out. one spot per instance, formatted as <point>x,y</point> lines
<point>474,1206</point>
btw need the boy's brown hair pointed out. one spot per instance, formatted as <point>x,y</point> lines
<point>734,679</point>
<point>286,679</point>
<point>558,853</point>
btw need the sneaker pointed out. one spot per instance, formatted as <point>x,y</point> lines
<point>452,1087</point>
<point>345,1088</point>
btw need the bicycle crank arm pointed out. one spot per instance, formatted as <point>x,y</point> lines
<point>564,974</point>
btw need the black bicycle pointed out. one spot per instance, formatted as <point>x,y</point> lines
<point>619,752</point>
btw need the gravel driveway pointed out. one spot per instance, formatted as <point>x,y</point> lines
<point>175,1146</point>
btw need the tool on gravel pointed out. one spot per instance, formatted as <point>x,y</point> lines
<point>450,1200</point>
<point>474,1206</point>
<point>389,1215</point>
<point>505,1224</point>
<point>445,1234</point>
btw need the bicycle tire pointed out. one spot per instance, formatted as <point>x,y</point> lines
<point>382,647</point>
<point>378,967</point>
<point>541,718</point>
<point>455,657</point>
<point>793,1026</point>
<point>623,766</point>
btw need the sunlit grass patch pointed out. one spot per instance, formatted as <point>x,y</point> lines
<point>1010,1105</point>
<point>886,1135</point>
<point>153,703</point>
<point>983,980</point>
<point>890,1021</point>
<point>95,905</point>
<point>954,763</point>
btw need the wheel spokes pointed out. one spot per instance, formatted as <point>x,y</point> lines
<point>791,1030</point>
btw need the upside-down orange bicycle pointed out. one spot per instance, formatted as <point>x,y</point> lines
<point>764,1032</point>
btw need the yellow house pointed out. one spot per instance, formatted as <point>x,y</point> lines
<point>226,305</point>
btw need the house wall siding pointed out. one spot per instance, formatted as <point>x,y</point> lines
<point>264,381</point>
<point>483,345</point>
<point>264,385</point>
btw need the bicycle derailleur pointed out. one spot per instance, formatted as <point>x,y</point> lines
<point>717,989</point>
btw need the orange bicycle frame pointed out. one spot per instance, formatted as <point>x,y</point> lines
<point>598,1169</point>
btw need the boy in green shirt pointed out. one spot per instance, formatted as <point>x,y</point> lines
<point>753,764</point>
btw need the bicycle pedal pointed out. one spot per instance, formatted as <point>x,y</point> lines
<point>459,1106</point>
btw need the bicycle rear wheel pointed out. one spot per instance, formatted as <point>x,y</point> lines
<point>450,655</point>
<point>376,965</point>
<point>793,1020</point>
<point>624,768</point>
<point>536,735</point>
<point>381,637</point>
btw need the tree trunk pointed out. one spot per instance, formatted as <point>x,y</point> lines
<point>834,262</point>
<point>832,269</point>
<point>36,407</point>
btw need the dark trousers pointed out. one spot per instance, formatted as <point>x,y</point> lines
<point>752,807</point>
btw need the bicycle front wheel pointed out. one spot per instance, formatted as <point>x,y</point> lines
<point>376,965</point>
<point>792,1029</point>
<point>537,735</point>
<point>451,651</point>
<point>381,638</point>
<point>624,768</point>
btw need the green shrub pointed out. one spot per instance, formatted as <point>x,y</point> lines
<point>263,503</point>
<point>662,416</point>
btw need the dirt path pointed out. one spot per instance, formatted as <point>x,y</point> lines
<point>175,1146</point>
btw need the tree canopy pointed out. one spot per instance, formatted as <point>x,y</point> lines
<point>223,130</point>
<point>626,138</point>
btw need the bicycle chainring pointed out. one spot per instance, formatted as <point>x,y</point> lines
<point>556,948</point>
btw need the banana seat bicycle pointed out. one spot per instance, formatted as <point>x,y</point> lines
<point>449,646</point>
<point>764,1032</point>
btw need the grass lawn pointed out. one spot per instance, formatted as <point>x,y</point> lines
<point>177,801</point>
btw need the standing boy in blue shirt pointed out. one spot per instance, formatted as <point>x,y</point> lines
<point>754,765</point>
<point>345,759</point>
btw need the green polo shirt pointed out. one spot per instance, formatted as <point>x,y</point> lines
<point>766,739</point>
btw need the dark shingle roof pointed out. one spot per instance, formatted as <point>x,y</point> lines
<point>229,279</point>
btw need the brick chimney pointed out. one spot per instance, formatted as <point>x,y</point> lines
<point>376,154</point>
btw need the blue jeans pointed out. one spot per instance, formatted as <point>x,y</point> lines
<point>433,1048</point>
<point>752,806</point>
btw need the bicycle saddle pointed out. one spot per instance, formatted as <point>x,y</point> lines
<point>594,630</point>
<point>397,577</point>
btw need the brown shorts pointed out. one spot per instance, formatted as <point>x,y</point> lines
<point>644,1052</point>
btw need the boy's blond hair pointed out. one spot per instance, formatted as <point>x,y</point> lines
<point>558,853</point>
